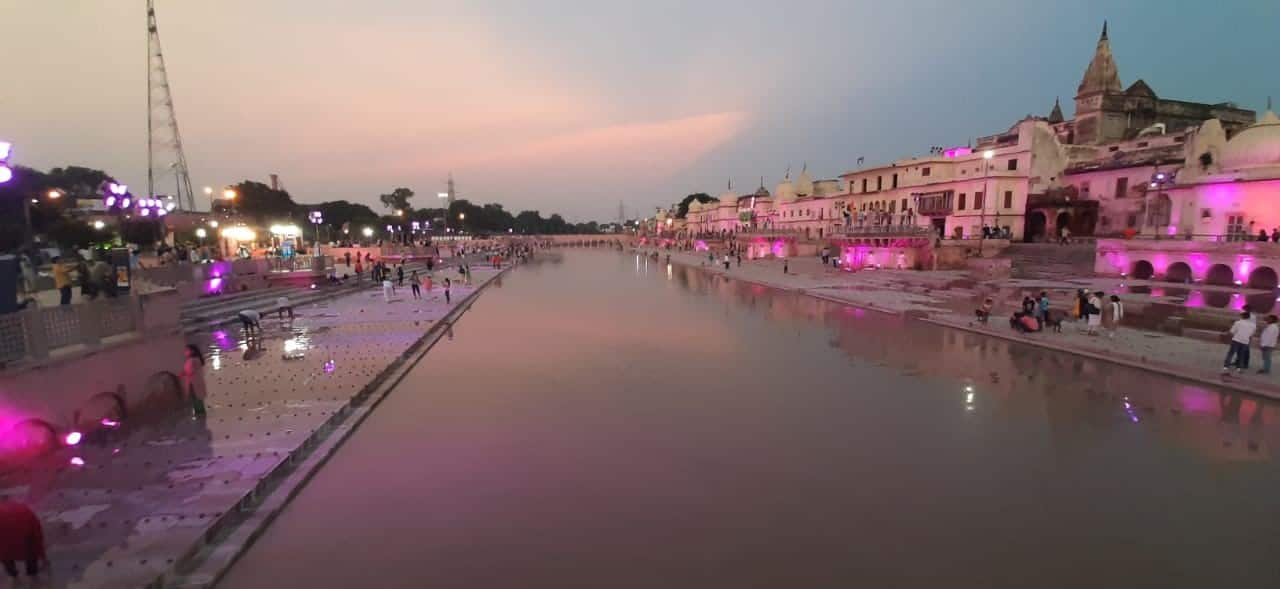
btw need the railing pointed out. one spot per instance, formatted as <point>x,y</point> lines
<point>886,230</point>
<point>36,332</point>
<point>300,263</point>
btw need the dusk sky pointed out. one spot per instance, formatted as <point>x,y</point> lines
<point>571,106</point>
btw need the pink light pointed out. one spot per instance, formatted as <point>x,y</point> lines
<point>6,174</point>
<point>111,201</point>
<point>700,246</point>
<point>73,438</point>
<point>124,204</point>
<point>1172,230</point>
<point>214,285</point>
<point>957,152</point>
<point>108,422</point>
<point>6,148</point>
<point>77,461</point>
<point>145,212</point>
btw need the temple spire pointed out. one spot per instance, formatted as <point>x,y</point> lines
<point>1102,76</point>
<point>1055,115</point>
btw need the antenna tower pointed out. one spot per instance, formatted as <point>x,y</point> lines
<point>165,159</point>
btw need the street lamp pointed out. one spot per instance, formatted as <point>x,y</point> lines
<point>99,224</point>
<point>982,213</point>
<point>316,219</point>
<point>54,194</point>
<point>201,233</point>
<point>229,194</point>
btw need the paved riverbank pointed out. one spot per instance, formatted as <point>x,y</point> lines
<point>948,299</point>
<point>129,511</point>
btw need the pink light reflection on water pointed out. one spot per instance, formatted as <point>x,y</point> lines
<point>1195,299</point>
<point>329,367</point>
<point>700,246</point>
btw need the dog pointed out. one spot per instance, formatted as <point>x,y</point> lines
<point>1053,322</point>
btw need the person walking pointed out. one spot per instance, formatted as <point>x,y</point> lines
<point>388,289</point>
<point>21,540</point>
<point>726,262</point>
<point>1238,350</point>
<point>400,273</point>
<point>1042,307</point>
<point>1094,309</point>
<point>62,281</point>
<point>346,257</point>
<point>1115,315</point>
<point>415,285</point>
<point>1267,342</point>
<point>359,269</point>
<point>784,265</point>
<point>1078,309</point>
<point>193,385</point>
<point>447,285</point>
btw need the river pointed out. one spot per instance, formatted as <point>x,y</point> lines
<point>610,421</point>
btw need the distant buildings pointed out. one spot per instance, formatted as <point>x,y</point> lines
<point>1127,162</point>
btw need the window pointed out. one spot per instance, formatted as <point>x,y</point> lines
<point>864,184</point>
<point>960,204</point>
<point>977,200</point>
<point>924,171</point>
<point>904,204</point>
<point>1013,164</point>
<point>1131,221</point>
<point>1084,189</point>
<point>1008,199</point>
<point>895,179</point>
<point>1235,228</point>
<point>1122,186</point>
<point>892,204</point>
<point>879,183</point>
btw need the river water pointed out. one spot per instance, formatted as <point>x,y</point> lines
<point>609,421</point>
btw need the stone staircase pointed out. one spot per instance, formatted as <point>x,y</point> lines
<point>1045,261</point>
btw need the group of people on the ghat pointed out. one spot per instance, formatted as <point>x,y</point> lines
<point>1095,313</point>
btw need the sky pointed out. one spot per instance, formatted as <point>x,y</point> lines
<point>573,106</point>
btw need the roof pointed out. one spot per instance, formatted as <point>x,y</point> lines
<point>1102,75</point>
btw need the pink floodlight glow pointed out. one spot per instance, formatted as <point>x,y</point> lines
<point>124,204</point>
<point>955,152</point>
<point>145,212</point>
<point>73,438</point>
<point>111,201</point>
<point>161,212</point>
<point>213,286</point>
<point>77,461</point>
<point>108,422</point>
<point>6,174</point>
<point>700,246</point>
<point>6,149</point>
<point>778,249</point>
<point>117,189</point>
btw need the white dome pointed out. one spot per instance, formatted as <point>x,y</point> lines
<point>1254,147</point>
<point>804,184</point>
<point>784,191</point>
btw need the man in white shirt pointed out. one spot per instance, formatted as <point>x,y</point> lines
<point>1238,354</point>
<point>1267,341</point>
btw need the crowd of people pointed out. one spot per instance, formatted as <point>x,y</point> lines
<point>1096,313</point>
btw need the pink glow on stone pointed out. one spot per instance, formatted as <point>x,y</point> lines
<point>1243,267</point>
<point>957,152</point>
<point>1195,300</point>
<point>77,461</point>
<point>213,286</point>
<point>700,246</point>
<point>73,438</point>
<point>779,248</point>
<point>108,422</point>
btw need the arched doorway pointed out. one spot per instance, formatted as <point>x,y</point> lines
<point>1220,275</point>
<point>1036,222</point>
<point>1088,222</point>
<point>1178,272</point>
<point>1143,270</point>
<point>1264,278</point>
<point>1063,222</point>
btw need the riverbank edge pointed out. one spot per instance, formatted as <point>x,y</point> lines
<point>1119,358</point>
<point>222,544</point>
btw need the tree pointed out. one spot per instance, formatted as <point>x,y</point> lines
<point>528,222</point>
<point>336,213</point>
<point>683,208</point>
<point>257,200</point>
<point>73,234</point>
<point>143,233</point>
<point>398,199</point>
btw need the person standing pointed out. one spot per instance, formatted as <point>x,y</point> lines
<point>21,539</point>
<point>347,258</point>
<point>359,270</point>
<point>1094,309</point>
<point>62,281</point>
<point>447,285</point>
<point>726,262</point>
<point>193,385</point>
<point>784,265</point>
<point>388,288</point>
<point>400,273</point>
<point>1078,310</point>
<point>414,285</point>
<point>1238,351</point>
<point>1267,342</point>
<point>1116,314</point>
<point>1042,307</point>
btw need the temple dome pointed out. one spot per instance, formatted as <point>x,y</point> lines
<point>727,198</point>
<point>804,184</point>
<point>1255,146</point>
<point>785,191</point>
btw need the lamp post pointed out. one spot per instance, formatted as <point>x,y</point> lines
<point>316,218</point>
<point>982,212</point>
<point>208,192</point>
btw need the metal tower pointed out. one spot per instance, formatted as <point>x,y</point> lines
<point>453,194</point>
<point>166,161</point>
